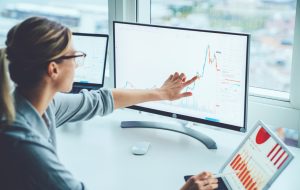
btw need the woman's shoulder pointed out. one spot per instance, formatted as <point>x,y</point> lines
<point>17,134</point>
<point>15,130</point>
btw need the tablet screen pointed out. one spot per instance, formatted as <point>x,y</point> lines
<point>259,160</point>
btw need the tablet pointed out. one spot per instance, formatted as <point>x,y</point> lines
<point>91,74</point>
<point>258,160</point>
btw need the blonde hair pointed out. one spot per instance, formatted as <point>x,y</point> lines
<point>7,109</point>
<point>30,46</point>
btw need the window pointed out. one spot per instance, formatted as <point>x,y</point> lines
<point>271,24</point>
<point>89,16</point>
<point>274,64</point>
<point>272,27</point>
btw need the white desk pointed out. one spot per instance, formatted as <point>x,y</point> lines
<point>99,155</point>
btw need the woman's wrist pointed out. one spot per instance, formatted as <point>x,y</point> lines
<point>161,94</point>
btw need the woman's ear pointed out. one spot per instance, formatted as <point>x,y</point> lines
<point>53,70</point>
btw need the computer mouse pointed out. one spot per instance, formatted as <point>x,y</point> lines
<point>140,148</point>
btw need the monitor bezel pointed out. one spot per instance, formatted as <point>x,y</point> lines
<point>81,85</point>
<point>185,117</point>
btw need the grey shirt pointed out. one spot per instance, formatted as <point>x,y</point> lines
<point>28,158</point>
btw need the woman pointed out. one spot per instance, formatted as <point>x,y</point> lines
<point>42,62</point>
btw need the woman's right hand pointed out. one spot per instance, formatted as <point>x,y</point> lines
<point>202,181</point>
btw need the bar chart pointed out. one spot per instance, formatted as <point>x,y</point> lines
<point>256,162</point>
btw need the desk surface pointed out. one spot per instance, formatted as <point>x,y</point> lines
<point>105,160</point>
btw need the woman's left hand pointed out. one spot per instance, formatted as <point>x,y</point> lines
<point>202,181</point>
<point>172,87</point>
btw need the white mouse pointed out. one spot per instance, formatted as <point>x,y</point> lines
<point>140,148</point>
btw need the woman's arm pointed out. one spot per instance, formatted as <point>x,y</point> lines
<point>170,90</point>
<point>82,106</point>
<point>87,104</point>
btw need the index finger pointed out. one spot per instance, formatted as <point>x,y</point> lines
<point>190,81</point>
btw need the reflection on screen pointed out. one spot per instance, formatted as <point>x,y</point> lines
<point>93,68</point>
<point>145,56</point>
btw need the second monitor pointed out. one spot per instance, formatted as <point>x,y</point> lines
<point>91,74</point>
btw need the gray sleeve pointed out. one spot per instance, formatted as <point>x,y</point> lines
<point>42,170</point>
<point>82,106</point>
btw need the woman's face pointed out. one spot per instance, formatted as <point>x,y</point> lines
<point>66,72</point>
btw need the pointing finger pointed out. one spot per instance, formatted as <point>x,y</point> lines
<point>185,94</point>
<point>190,81</point>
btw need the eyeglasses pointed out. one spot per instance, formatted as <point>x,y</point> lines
<point>78,57</point>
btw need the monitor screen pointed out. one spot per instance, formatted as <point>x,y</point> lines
<point>145,55</point>
<point>91,73</point>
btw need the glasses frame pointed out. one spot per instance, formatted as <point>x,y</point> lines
<point>70,57</point>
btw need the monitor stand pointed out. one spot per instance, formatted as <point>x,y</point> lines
<point>206,140</point>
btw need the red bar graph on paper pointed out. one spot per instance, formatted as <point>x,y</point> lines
<point>247,179</point>
<point>252,186</point>
<point>249,183</point>
<point>256,162</point>
<point>273,150</point>
<point>276,153</point>
<point>234,160</point>
<point>243,174</point>
<point>240,164</point>
<point>282,162</point>
<point>277,156</point>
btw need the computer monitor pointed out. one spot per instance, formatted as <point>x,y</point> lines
<point>145,55</point>
<point>91,74</point>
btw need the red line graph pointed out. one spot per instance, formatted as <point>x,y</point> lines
<point>207,60</point>
<point>210,60</point>
<point>231,80</point>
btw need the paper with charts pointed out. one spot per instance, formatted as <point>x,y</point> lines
<point>257,161</point>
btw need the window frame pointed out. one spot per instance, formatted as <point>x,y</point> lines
<point>263,104</point>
